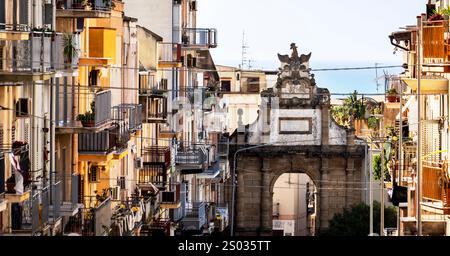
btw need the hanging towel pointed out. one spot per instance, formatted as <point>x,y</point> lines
<point>17,174</point>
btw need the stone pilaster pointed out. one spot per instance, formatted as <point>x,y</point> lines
<point>323,194</point>
<point>266,198</point>
<point>349,185</point>
<point>325,124</point>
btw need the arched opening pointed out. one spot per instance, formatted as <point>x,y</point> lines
<point>295,208</point>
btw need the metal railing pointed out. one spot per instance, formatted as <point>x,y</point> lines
<point>199,37</point>
<point>154,108</point>
<point>195,217</point>
<point>156,154</point>
<point>45,205</point>
<point>56,199</point>
<point>33,55</point>
<point>154,173</point>
<point>97,220</point>
<point>169,52</point>
<point>101,142</point>
<point>94,5</point>
<point>102,107</point>
<point>131,114</point>
<point>197,154</point>
<point>74,198</point>
<point>14,27</point>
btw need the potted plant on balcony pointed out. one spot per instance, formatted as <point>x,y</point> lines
<point>392,95</point>
<point>88,119</point>
<point>70,49</point>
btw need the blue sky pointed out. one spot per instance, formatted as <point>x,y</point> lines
<point>335,31</point>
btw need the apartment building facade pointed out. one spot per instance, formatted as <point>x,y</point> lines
<point>424,119</point>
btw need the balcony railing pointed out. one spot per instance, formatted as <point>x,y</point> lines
<point>56,199</point>
<point>26,56</point>
<point>102,142</point>
<point>14,27</point>
<point>61,60</point>
<point>45,204</point>
<point>102,107</point>
<point>169,54</point>
<point>194,155</point>
<point>434,185</point>
<point>130,114</point>
<point>96,219</point>
<point>195,217</point>
<point>199,38</point>
<point>156,154</point>
<point>154,109</point>
<point>149,87</point>
<point>153,173</point>
<point>83,9</point>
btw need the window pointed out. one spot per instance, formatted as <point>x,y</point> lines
<point>253,84</point>
<point>226,86</point>
<point>93,77</point>
<point>94,174</point>
<point>23,108</point>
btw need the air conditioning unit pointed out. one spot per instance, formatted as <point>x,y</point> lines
<point>23,107</point>
<point>139,163</point>
<point>115,193</point>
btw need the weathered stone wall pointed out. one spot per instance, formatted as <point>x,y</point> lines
<point>336,176</point>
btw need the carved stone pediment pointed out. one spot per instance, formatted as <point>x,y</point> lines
<point>296,86</point>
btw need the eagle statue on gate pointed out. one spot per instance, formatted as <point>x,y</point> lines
<point>294,58</point>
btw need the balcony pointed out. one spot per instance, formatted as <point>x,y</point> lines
<point>150,88</point>
<point>102,116</point>
<point>97,147</point>
<point>14,32</point>
<point>436,190</point>
<point>158,227</point>
<point>429,84</point>
<point>199,38</point>
<point>195,217</point>
<point>156,163</point>
<point>62,61</point>
<point>27,60</point>
<point>154,109</point>
<point>169,55</point>
<point>192,160</point>
<point>96,218</point>
<point>130,114</point>
<point>77,9</point>
<point>62,206</point>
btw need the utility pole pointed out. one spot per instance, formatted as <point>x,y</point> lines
<point>419,133</point>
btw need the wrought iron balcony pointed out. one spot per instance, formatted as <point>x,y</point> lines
<point>199,38</point>
<point>195,217</point>
<point>169,55</point>
<point>154,173</point>
<point>83,9</point>
<point>150,88</point>
<point>156,155</point>
<point>192,159</point>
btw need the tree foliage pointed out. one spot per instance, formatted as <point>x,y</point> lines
<point>356,221</point>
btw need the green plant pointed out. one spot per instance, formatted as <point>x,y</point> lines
<point>70,49</point>
<point>352,109</point>
<point>355,221</point>
<point>442,11</point>
<point>392,92</point>
<point>372,122</point>
<point>377,168</point>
